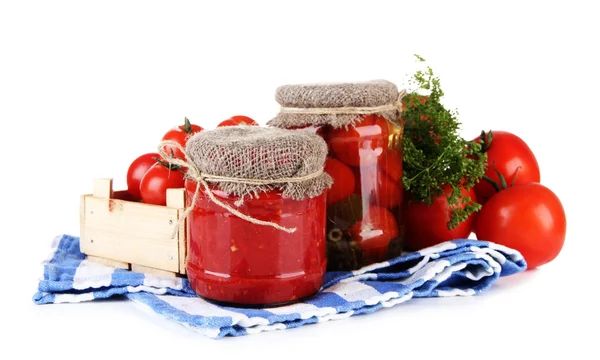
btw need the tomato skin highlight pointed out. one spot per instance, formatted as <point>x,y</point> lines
<point>238,120</point>
<point>378,187</point>
<point>136,172</point>
<point>529,218</point>
<point>180,134</point>
<point>427,225</point>
<point>510,156</point>
<point>343,180</point>
<point>159,178</point>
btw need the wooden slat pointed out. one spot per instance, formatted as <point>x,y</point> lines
<point>131,232</point>
<point>82,223</point>
<point>103,188</point>
<point>149,270</point>
<point>184,245</point>
<point>176,199</point>
<point>108,262</point>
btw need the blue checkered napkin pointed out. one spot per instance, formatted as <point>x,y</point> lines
<point>455,268</point>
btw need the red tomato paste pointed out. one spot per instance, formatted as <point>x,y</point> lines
<point>234,261</point>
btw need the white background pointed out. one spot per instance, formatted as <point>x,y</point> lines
<point>85,87</point>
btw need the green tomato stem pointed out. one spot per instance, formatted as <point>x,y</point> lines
<point>187,126</point>
<point>167,164</point>
<point>492,182</point>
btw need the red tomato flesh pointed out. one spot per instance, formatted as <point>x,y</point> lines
<point>513,158</point>
<point>180,134</point>
<point>159,178</point>
<point>374,232</point>
<point>378,187</point>
<point>343,180</point>
<point>528,218</point>
<point>391,162</point>
<point>361,144</point>
<point>136,172</point>
<point>427,225</point>
<point>238,120</point>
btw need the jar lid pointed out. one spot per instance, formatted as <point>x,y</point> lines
<point>246,160</point>
<point>335,104</point>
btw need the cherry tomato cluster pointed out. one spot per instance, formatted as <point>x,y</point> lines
<point>149,175</point>
<point>518,211</point>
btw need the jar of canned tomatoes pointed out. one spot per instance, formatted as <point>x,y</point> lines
<point>361,125</point>
<point>257,224</point>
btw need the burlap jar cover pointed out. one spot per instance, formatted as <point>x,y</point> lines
<point>336,104</point>
<point>247,160</point>
<point>343,106</point>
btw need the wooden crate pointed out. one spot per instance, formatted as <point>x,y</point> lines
<point>119,232</point>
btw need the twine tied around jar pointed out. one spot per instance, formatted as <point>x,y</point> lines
<point>202,179</point>
<point>347,110</point>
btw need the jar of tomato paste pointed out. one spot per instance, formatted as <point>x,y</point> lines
<point>257,223</point>
<point>361,125</point>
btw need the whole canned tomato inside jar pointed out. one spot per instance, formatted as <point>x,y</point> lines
<point>255,240</point>
<point>364,205</point>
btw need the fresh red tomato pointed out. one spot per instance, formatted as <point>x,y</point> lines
<point>158,179</point>
<point>238,120</point>
<point>361,144</point>
<point>510,156</point>
<point>427,225</point>
<point>528,218</point>
<point>381,189</point>
<point>180,134</point>
<point>374,232</point>
<point>343,180</point>
<point>136,172</point>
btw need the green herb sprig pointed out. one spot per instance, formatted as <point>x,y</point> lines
<point>435,155</point>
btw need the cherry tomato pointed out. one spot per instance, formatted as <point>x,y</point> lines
<point>510,156</point>
<point>238,120</point>
<point>361,144</point>
<point>343,180</point>
<point>374,232</point>
<point>427,225</point>
<point>381,189</point>
<point>136,172</point>
<point>180,134</point>
<point>528,218</point>
<point>158,179</point>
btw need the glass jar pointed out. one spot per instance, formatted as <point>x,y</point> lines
<point>244,259</point>
<point>234,261</point>
<point>364,205</point>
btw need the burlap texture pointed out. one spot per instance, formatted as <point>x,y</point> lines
<point>333,95</point>
<point>261,153</point>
